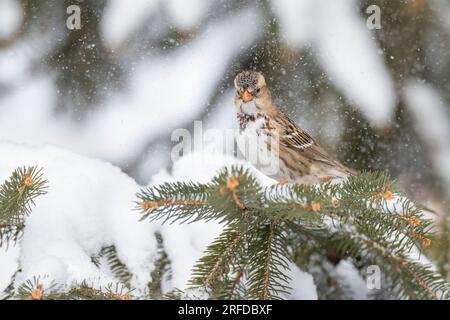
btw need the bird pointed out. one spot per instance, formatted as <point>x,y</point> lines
<point>274,143</point>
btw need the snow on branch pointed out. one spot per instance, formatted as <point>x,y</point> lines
<point>364,219</point>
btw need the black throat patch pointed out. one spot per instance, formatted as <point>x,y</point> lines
<point>244,119</point>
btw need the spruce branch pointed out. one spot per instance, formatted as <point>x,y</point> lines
<point>222,199</point>
<point>117,267</point>
<point>161,271</point>
<point>221,256</point>
<point>364,220</point>
<point>267,268</point>
<point>17,196</point>
<point>35,290</point>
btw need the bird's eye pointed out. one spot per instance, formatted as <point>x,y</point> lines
<point>258,90</point>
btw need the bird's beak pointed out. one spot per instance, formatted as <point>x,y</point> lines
<point>247,96</point>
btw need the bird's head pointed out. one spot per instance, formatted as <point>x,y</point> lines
<point>251,89</point>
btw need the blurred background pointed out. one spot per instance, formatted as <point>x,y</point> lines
<point>136,70</point>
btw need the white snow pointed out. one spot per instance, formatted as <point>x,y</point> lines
<point>302,283</point>
<point>431,119</point>
<point>185,244</point>
<point>90,201</point>
<point>352,277</point>
<point>442,9</point>
<point>296,20</point>
<point>345,48</point>
<point>89,205</point>
<point>9,262</point>
<point>184,18</point>
<point>10,17</point>
<point>15,64</point>
<point>164,92</point>
<point>121,20</point>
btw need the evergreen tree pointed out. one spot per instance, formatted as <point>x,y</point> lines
<point>364,220</point>
<point>266,232</point>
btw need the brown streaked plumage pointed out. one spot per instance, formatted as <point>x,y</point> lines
<point>299,158</point>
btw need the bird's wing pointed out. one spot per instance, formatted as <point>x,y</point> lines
<point>293,137</point>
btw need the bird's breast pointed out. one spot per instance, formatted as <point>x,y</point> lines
<point>257,143</point>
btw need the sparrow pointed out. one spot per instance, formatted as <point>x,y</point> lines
<point>274,143</point>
